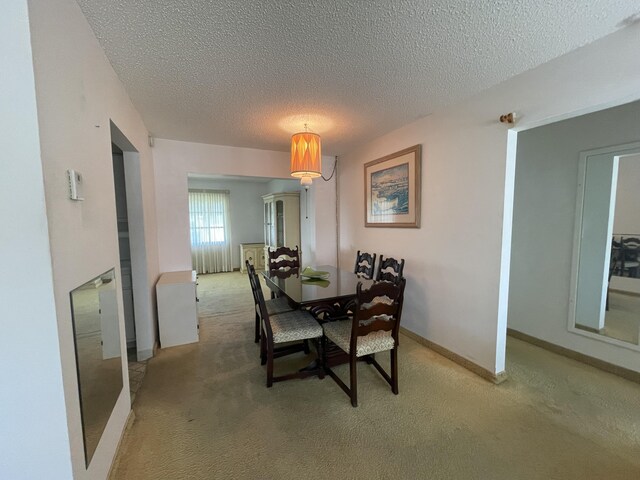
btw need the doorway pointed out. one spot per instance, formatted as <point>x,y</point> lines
<point>122,219</point>
<point>548,179</point>
<point>140,325</point>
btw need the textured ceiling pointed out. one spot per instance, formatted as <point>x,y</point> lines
<point>251,73</point>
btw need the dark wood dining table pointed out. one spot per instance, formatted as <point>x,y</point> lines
<point>326,299</point>
<point>329,296</point>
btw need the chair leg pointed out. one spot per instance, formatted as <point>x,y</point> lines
<point>353,373</point>
<point>257,329</point>
<point>394,370</point>
<point>263,349</point>
<point>306,347</point>
<point>320,352</point>
<point>269,365</point>
<point>323,358</point>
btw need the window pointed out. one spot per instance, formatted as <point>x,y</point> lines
<point>209,229</point>
<point>207,211</point>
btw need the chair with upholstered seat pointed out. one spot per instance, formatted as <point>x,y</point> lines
<point>390,270</point>
<point>365,265</point>
<point>274,306</point>
<point>284,258</point>
<point>283,328</point>
<point>374,328</point>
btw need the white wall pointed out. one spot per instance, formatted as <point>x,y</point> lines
<point>174,161</point>
<point>77,95</point>
<point>34,439</point>
<point>458,262</point>
<point>544,220</point>
<point>246,211</point>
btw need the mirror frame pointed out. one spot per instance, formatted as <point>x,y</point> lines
<point>88,455</point>
<point>614,151</point>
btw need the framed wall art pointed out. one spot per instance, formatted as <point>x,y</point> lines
<point>392,190</point>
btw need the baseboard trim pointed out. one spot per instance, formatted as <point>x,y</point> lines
<point>625,292</point>
<point>460,360</point>
<point>625,373</point>
<point>588,329</point>
<point>127,427</point>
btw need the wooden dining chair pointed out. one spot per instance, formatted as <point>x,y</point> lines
<point>284,328</point>
<point>274,306</point>
<point>365,265</point>
<point>390,270</point>
<point>374,328</point>
<point>284,258</point>
<point>630,252</point>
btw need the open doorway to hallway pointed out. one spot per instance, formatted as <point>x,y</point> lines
<point>133,280</point>
<point>568,216</point>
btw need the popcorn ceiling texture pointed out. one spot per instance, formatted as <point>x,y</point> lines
<point>204,412</point>
<point>249,73</point>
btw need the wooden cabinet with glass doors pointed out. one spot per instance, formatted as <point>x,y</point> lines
<point>281,221</point>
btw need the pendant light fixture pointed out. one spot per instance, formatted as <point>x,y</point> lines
<point>306,156</point>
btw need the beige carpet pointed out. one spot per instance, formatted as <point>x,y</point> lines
<point>203,412</point>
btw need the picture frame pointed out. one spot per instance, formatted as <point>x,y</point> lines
<point>392,189</point>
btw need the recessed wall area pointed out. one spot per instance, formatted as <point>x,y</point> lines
<point>245,202</point>
<point>544,228</point>
<point>175,163</point>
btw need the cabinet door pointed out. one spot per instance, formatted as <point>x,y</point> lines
<point>259,258</point>
<point>251,255</point>
<point>279,223</point>
<point>269,236</point>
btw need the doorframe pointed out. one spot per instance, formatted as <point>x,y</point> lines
<point>142,301</point>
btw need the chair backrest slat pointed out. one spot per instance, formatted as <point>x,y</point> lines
<point>390,269</point>
<point>375,326</point>
<point>378,308</point>
<point>365,265</point>
<point>284,258</point>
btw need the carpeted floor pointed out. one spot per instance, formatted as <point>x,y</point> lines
<point>203,412</point>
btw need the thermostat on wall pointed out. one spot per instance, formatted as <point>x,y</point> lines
<point>75,185</point>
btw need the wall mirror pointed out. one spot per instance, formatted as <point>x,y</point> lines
<point>606,273</point>
<point>96,328</point>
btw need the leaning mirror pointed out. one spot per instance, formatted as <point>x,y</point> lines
<point>96,327</point>
<point>606,280</point>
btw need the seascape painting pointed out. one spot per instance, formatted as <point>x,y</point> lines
<point>390,191</point>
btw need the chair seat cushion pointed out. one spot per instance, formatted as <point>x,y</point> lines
<point>277,305</point>
<point>295,325</point>
<point>340,333</point>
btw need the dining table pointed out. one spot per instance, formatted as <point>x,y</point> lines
<point>329,293</point>
<point>327,298</point>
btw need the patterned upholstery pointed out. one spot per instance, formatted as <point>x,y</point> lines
<point>295,325</point>
<point>277,305</point>
<point>340,333</point>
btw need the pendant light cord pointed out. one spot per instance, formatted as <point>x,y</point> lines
<point>335,164</point>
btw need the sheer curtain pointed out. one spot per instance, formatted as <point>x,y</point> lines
<point>210,234</point>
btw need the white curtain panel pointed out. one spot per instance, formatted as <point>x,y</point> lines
<point>210,231</point>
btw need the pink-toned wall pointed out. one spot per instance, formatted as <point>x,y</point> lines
<point>78,95</point>
<point>174,161</point>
